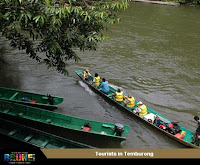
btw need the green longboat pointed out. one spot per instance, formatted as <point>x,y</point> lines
<point>35,137</point>
<point>31,99</point>
<point>63,125</point>
<point>149,118</point>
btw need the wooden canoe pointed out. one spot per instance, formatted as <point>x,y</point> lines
<point>185,141</point>
<point>63,125</point>
<point>34,137</point>
<point>30,99</point>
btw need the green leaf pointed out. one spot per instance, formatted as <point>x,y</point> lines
<point>68,9</point>
<point>36,18</point>
<point>42,21</point>
<point>60,13</point>
<point>59,26</point>
<point>47,3</point>
<point>29,15</point>
<point>20,17</point>
<point>20,1</point>
<point>73,20</point>
<point>7,15</point>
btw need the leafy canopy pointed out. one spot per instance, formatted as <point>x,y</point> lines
<point>49,30</point>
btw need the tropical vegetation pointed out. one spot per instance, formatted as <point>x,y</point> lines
<point>49,30</point>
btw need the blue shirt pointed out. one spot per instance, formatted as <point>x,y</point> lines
<point>105,86</point>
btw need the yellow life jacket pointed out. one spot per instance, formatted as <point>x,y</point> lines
<point>86,74</point>
<point>119,96</point>
<point>143,110</point>
<point>97,80</point>
<point>131,102</point>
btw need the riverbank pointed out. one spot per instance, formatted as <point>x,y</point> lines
<point>159,2</point>
<point>193,3</point>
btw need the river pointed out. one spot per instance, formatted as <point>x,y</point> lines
<point>152,53</point>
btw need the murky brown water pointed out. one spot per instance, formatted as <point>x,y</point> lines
<point>153,53</point>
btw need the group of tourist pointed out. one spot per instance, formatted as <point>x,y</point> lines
<point>129,101</point>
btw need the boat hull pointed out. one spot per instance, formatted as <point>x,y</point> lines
<point>62,125</point>
<point>82,137</point>
<point>124,109</point>
<point>47,107</point>
<point>15,96</point>
<point>36,138</point>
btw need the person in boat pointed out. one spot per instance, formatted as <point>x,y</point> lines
<point>118,95</point>
<point>156,121</point>
<point>104,86</point>
<point>96,80</point>
<point>141,109</point>
<point>129,101</point>
<point>196,136</point>
<point>86,75</point>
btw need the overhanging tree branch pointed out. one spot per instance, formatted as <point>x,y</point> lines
<point>58,26</point>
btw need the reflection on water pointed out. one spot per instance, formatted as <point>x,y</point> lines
<point>7,79</point>
<point>153,53</point>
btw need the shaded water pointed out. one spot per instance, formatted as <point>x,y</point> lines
<point>153,53</point>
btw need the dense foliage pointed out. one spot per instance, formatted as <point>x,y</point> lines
<point>49,30</point>
<point>190,2</point>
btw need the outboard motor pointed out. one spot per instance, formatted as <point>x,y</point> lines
<point>173,127</point>
<point>51,99</point>
<point>176,127</point>
<point>119,128</point>
<point>170,128</point>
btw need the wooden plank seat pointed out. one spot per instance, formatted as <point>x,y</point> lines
<point>13,97</point>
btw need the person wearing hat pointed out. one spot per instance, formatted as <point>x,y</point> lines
<point>86,75</point>
<point>141,109</point>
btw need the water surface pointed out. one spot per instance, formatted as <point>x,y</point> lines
<point>153,53</point>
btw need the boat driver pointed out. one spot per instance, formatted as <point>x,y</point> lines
<point>196,136</point>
